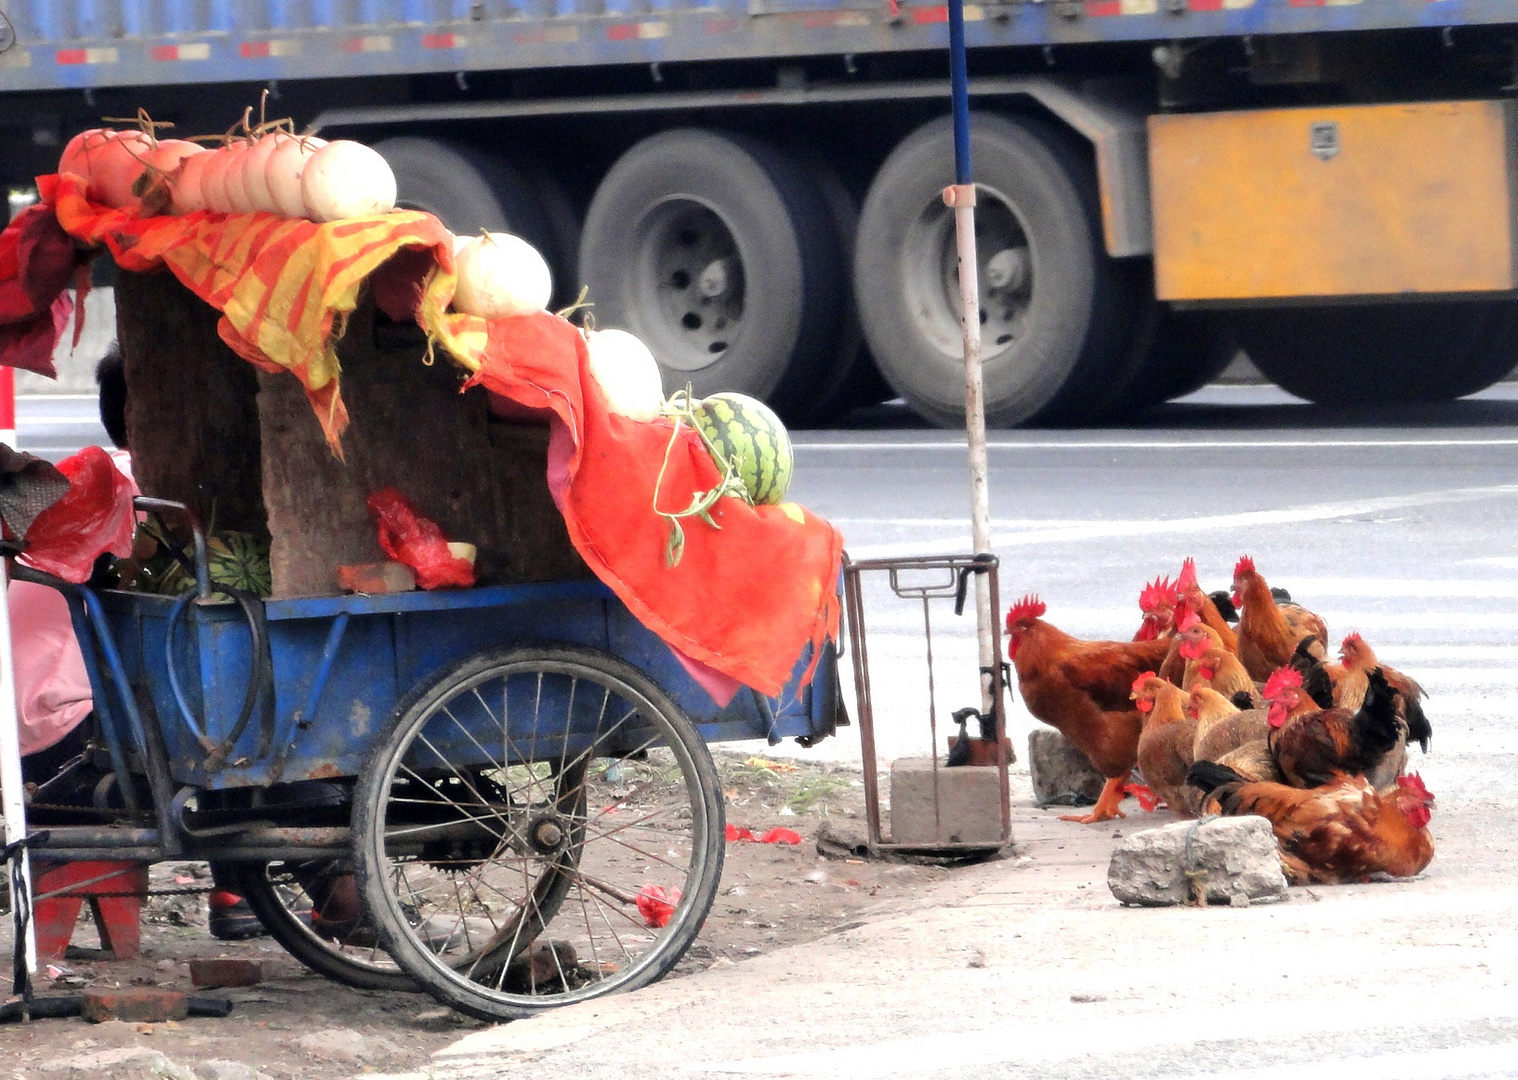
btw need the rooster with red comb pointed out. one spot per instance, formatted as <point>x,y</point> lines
<point>1083,688</point>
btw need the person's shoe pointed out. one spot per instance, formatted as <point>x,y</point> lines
<point>232,919</point>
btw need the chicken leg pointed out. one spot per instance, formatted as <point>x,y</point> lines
<point>1107,804</point>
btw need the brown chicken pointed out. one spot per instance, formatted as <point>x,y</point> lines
<point>1164,747</point>
<point>1081,688</point>
<point>1342,831</point>
<point>1157,602</point>
<point>1314,746</point>
<point>1173,667</point>
<point>1219,734</point>
<point>1266,638</point>
<point>1187,589</point>
<point>1357,661</point>
<point>1209,662</point>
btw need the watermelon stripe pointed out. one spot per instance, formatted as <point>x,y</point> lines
<point>744,432</point>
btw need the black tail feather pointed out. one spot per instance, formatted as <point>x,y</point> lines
<point>1209,776</point>
<point>1419,730</point>
<point>1242,699</point>
<point>1315,681</point>
<point>1224,603</point>
<point>1375,725</point>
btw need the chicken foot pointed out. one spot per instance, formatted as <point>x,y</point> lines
<point>1107,804</point>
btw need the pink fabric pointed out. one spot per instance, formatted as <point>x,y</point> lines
<point>52,687</point>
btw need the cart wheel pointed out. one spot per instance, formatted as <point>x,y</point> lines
<point>289,899</point>
<point>528,787</point>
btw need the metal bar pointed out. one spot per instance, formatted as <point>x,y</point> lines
<point>100,630</point>
<point>324,668</point>
<point>368,115</point>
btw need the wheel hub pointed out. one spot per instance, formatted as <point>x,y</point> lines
<point>1005,271</point>
<point>692,274</point>
<point>546,834</point>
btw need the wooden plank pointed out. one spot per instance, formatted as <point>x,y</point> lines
<point>483,480</point>
<point>192,421</point>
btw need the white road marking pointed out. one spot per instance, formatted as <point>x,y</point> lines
<point>1252,519</point>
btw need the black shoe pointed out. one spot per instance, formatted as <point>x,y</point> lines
<point>232,919</point>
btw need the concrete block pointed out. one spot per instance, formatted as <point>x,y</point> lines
<point>141,1005</point>
<point>216,971</point>
<point>1062,775</point>
<point>1235,860</point>
<point>968,803</point>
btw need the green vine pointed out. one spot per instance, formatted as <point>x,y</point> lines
<point>681,407</point>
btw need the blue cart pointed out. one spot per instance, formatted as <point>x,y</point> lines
<point>513,779</point>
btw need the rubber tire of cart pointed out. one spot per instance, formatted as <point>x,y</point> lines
<point>1377,354</point>
<point>1188,350</point>
<point>754,206</point>
<point>1036,185</point>
<point>377,883</point>
<point>470,190</point>
<point>376,972</point>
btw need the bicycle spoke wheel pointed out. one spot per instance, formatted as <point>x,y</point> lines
<point>539,826</point>
<point>311,910</point>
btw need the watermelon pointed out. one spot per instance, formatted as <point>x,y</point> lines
<point>746,432</point>
<point>241,560</point>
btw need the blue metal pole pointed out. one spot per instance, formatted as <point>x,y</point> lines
<point>959,83</point>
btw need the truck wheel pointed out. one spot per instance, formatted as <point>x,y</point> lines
<point>1055,310</point>
<point>719,252</point>
<point>851,381</point>
<point>1374,354</point>
<point>469,191</point>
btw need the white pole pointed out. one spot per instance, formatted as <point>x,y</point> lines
<point>11,797</point>
<point>961,197</point>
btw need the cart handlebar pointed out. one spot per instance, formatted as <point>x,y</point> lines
<point>202,565</point>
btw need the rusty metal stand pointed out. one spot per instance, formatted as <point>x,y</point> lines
<point>925,580</point>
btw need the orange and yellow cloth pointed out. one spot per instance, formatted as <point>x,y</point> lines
<point>745,599</point>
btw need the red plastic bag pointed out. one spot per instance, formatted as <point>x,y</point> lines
<point>774,836</point>
<point>94,516</point>
<point>657,906</point>
<point>409,538</point>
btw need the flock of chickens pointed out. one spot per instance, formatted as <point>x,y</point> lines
<point>1239,719</point>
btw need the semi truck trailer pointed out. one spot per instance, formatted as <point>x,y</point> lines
<point>753,187</point>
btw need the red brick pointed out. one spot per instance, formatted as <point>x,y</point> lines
<point>380,577</point>
<point>141,1005</point>
<point>226,971</point>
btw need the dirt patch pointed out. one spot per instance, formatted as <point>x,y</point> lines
<point>298,1024</point>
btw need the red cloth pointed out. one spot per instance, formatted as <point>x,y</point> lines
<point>37,261</point>
<point>745,599</point>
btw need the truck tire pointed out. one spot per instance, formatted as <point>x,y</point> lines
<point>470,190</point>
<point>1056,311</point>
<point>851,381</point>
<point>719,252</point>
<point>1376,354</point>
<point>1188,351</point>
